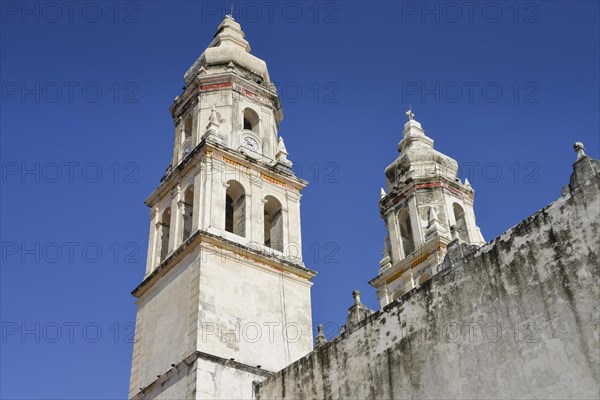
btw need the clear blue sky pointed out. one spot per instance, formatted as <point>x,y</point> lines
<point>86,91</point>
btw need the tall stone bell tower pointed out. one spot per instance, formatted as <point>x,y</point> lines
<point>226,297</point>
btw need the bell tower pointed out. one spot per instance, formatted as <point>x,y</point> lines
<point>426,207</point>
<point>225,299</point>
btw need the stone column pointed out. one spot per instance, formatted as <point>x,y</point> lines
<point>294,244</point>
<point>175,219</point>
<point>205,201</point>
<point>181,221</point>
<point>218,203</point>
<point>473,234</point>
<point>196,217</point>
<point>177,140</point>
<point>257,235</point>
<point>263,202</point>
<point>383,296</point>
<point>248,220</point>
<point>196,124</point>
<point>151,259</point>
<point>285,228</point>
<point>415,221</point>
<point>394,232</point>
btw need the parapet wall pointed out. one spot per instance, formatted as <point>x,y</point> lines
<point>517,318</point>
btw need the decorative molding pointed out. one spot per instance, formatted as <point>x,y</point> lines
<point>272,180</point>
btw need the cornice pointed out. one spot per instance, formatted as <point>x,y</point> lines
<point>414,185</point>
<point>266,259</point>
<point>206,147</point>
<point>190,359</point>
<point>413,260</point>
<point>210,82</point>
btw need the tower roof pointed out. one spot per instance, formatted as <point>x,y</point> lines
<point>228,46</point>
<point>417,156</point>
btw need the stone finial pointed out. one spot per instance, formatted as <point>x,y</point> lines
<point>382,194</point>
<point>321,339</point>
<point>282,154</point>
<point>357,312</point>
<point>212,129</point>
<point>281,146</point>
<point>433,218</point>
<point>434,228</point>
<point>213,116</point>
<point>579,149</point>
<point>454,232</point>
<point>413,128</point>
<point>467,183</point>
<point>585,169</point>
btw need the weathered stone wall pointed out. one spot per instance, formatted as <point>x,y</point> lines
<point>517,318</point>
<point>161,337</point>
<point>225,305</point>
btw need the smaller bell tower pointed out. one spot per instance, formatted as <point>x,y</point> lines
<point>425,208</point>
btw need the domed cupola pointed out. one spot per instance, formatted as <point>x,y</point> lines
<point>425,202</point>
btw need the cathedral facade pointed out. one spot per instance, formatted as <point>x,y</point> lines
<point>224,308</point>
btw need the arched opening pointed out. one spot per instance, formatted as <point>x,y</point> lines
<point>273,223</point>
<point>188,207</point>
<point>164,228</point>
<point>186,140</point>
<point>235,209</point>
<point>423,278</point>
<point>250,120</point>
<point>460,222</point>
<point>187,128</point>
<point>406,233</point>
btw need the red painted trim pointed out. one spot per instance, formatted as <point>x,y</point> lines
<point>216,86</point>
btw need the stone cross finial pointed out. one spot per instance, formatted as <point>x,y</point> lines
<point>579,149</point>
<point>410,114</point>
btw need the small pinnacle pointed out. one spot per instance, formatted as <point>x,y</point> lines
<point>579,149</point>
<point>432,214</point>
<point>213,115</point>
<point>454,232</point>
<point>321,339</point>
<point>281,146</point>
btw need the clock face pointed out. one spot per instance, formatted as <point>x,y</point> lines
<point>251,143</point>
